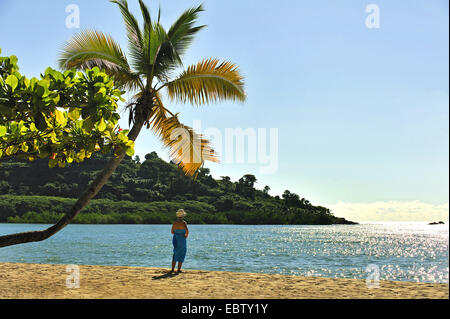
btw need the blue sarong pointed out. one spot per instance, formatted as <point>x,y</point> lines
<point>179,245</point>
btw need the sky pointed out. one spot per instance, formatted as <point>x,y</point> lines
<point>361,114</point>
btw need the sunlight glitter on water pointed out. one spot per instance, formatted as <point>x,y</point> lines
<point>401,251</point>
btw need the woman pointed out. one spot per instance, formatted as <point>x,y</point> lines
<point>180,232</point>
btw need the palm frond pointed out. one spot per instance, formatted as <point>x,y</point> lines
<point>159,13</point>
<point>163,56</point>
<point>157,116</point>
<point>145,13</point>
<point>134,34</point>
<point>158,57</point>
<point>91,48</point>
<point>187,149</point>
<point>182,32</point>
<point>132,26</point>
<point>155,54</point>
<point>146,38</point>
<point>208,81</point>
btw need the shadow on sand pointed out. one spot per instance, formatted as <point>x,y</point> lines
<point>166,275</point>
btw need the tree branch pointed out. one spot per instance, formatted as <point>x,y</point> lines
<point>92,190</point>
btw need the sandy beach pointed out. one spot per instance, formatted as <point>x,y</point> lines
<point>113,282</point>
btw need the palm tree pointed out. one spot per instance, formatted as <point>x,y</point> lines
<point>155,54</point>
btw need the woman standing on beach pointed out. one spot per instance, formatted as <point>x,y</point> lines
<point>180,232</point>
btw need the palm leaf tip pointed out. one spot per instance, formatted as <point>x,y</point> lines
<point>133,31</point>
<point>91,44</point>
<point>191,157</point>
<point>90,48</point>
<point>208,81</point>
<point>145,13</point>
<point>188,149</point>
<point>183,30</point>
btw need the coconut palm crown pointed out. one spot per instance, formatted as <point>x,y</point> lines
<point>154,56</point>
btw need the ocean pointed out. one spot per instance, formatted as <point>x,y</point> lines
<point>414,252</point>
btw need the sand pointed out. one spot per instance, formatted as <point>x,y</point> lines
<point>25,281</point>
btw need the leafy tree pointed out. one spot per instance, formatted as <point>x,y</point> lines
<point>226,183</point>
<point>151,156</point>
<point>249,180</point>
<point>291,199</point>
<point>64,116</point>
<point>245,186</point>
<point>4,187</point>
<point>224,203</point>
<point>154,56</point>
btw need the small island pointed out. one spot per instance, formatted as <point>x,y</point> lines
<point>436,223</point>
<point>146,192</point>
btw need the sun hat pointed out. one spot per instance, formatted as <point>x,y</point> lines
<point>181,213</point>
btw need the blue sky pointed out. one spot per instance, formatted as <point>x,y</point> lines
<point>362,114</point>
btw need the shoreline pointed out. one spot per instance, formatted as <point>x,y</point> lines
<point>48,281</point>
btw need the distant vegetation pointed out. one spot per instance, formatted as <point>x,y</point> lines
<point>147,192</point>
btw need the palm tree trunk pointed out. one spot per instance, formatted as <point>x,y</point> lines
<point>92,190</point>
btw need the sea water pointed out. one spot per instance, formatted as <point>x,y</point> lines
<point>396,251</point>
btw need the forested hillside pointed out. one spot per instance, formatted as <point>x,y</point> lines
<point>147,191</point>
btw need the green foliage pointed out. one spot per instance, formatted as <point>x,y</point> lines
<point>64,117</point>
<point>46,209</point>
<point>155,55</point>
<point>148,192</point>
